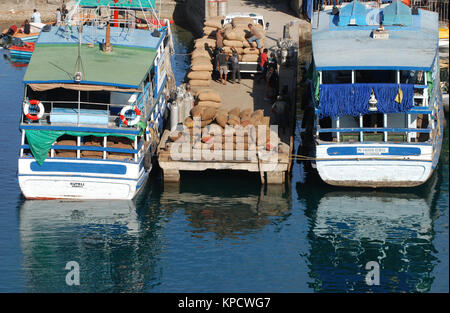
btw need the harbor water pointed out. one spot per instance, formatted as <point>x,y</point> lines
<point>220,232</point>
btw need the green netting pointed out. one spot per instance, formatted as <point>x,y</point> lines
<point>40,141</point>
<point>430,83</point>
<point>131,4</point>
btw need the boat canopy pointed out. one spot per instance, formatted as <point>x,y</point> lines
<point>397,13</point>
<point>122,4</point>
<point>353,13</point>
<point>54,59</point>
<point>353,48</point>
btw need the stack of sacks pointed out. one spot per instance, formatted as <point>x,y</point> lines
<point>201,66</point>
<point>208,98</point>
<point>216,122</point>
<point>236,36</point>
<point>215,22</point>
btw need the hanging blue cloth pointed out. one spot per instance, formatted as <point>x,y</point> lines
<point>337,100</point>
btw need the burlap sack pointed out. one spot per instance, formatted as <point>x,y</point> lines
<point>229,50</point>
<point>208,113</point>
<point>202,75</point>
<point>200,43</point>
<point>242,21</point>
<point>235,111</point>
<point>209,96</point>
<point>235,34</point>
<point>233,43</point>
<point>251,51</point>
<point>197,111</point>
<point>175,135</point>
<point>250,58</point>
<point>215,22</point>
<point>221,118</point>
<point>258,114</point>
<point>200,52</point>
<point>211,104</point>
<point>198,82</point>
<point>209,31</point>
<point>206,122</point>
<point>248,111</point>
<point>200,59</point>
<point>202,66</point>
<point>245,44</point>
<point>233,120</point>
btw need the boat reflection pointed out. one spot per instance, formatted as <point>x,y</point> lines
<point>211,206</point>
<point>115,244</point>
<point>16,61</point>
<point>351,227</point>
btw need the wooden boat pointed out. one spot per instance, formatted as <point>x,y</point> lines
<point>24,51</point>
<point>376,96</point>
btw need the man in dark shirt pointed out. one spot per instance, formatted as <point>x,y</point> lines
<point>222,65</point>
<point>235,70</point>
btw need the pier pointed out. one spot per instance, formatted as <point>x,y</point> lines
<point>249,94</point>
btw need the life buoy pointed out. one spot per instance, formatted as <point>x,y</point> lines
<point>26,110</point>
<point>133,121</point>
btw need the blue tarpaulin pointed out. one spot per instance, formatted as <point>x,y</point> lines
<point>353,13</point>
<point>397,13</point>
<point>353,99</point>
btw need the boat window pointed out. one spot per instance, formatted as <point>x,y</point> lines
<point>375,77</point>
<point>336,77</point>
<point>412,77</point>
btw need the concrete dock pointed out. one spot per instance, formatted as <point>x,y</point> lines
<point>250,93</point>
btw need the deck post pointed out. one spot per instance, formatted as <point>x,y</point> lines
<point>171,176</point>
<point>275,177</point>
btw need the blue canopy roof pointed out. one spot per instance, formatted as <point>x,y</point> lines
<point>352,47</point>
<point>397,13</point>
<point>353,13</point>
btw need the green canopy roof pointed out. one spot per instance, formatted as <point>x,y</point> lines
<point>55,63</point>
<point>124,4</point>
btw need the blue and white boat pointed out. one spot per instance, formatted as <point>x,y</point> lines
<point>376,95</point>
<point>94,104</point>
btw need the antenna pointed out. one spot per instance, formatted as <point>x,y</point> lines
<point>79,68</point>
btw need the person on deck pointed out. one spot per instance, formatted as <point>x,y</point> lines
<point>219,38</point>
<point>222,66</point>
<point>36,17</point>
<point>272,84</point>
<point>235,66</point>
<point>255,35</point>
<point>58,16</point>
<point>12,30</point>
<point>64,12</point>
<point>26,27</point>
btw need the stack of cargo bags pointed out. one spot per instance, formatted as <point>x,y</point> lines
<point>214,122</point>
<point>201,65</point>
<point>234,38</point>
<point>236,35</point>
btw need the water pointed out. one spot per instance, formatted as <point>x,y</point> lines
<point>220,234</point>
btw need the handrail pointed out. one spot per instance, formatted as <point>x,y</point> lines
<point>371,129</point>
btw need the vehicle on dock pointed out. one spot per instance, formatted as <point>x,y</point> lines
<point>246,66</point>
<point>376,95</point>
<point>94,105</point>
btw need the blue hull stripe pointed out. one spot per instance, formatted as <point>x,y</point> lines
<point>392,150</point>
<point>71,167</point>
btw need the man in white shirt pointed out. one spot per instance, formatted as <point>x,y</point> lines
<point>58,16</point>
<point>36,17</point>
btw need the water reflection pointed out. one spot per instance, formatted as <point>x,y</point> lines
<point>119,244</point>
<point>210,205</point>
<point>116,245</point>
<point>350,227</point>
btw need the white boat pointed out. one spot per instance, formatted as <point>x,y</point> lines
<point>91,116</point>
<point>376,95</point>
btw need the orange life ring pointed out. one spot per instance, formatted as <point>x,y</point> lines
<point>26,110</point>
<point>133,121</point>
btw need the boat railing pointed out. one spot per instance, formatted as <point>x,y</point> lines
<point>81,113</point>
<point>80,150</point>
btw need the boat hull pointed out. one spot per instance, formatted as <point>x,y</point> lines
<point>66,184</point>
